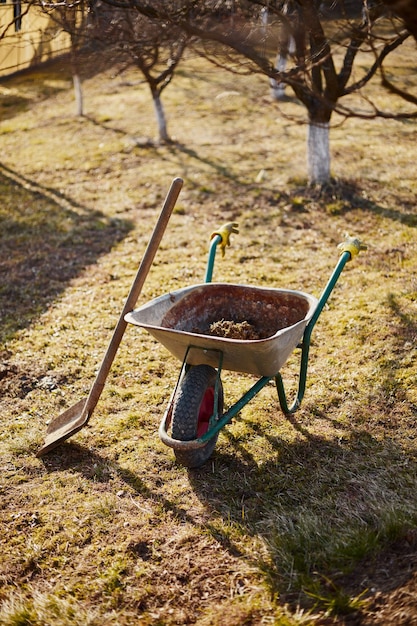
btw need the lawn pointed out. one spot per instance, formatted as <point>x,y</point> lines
<point>308,519</point>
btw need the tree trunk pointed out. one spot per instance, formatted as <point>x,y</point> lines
<point>160,117</point>
<point>78,91</point>
<point>76,79</point>
<point>278,88</point>
<point>318,153</point>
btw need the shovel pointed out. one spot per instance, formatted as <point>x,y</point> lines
<point>73,419</point>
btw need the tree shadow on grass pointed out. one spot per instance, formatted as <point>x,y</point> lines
<point>176,149</point>
<point>390,398</point>
<point>406,323</point>
<point>329,514</point>
<point>45,240</point>
<point>221,169</point>
<point>99,469</point>
<point>340,196</point>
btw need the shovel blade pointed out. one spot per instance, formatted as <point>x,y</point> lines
<point>64,426</point>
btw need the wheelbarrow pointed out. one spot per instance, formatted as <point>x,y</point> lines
<point>211,327</point>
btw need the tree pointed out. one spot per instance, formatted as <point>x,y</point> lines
<point>73,19</point>
<point>154,46</point>
<point>320,33</point>
<point>328,38</point>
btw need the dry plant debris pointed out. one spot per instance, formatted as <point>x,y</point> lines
<point>234,330</point>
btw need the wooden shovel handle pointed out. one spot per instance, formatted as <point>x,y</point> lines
<point>132,298</point>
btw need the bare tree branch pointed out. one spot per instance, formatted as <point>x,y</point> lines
<point>396,90</point>
<point>407,11</point>
<point>377,64</point>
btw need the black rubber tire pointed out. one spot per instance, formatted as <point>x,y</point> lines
<point>190,413</point>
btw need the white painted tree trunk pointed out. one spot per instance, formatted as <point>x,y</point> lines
<point>160,117</point>
<point>277,88</point>
<point>318,153</point>
<point>78,92</point>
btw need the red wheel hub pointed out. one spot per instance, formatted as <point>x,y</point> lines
<point>206,411</point>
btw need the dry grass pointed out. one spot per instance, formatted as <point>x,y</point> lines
<point>292,518</point>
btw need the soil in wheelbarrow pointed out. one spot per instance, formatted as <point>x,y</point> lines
<point>236,312</point>
<point>233,330</point>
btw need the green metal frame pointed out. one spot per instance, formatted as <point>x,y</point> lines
<point>215,241</point>
<point>305,344</point>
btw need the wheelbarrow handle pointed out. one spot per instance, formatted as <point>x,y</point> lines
<point>353,245</point>
<point>220,237</point>
<point>349,248</point>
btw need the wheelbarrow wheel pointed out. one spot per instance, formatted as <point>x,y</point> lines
<point>192,408</point>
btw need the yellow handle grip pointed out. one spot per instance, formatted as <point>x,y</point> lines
<point>224,232</point>
<point>353,245</point>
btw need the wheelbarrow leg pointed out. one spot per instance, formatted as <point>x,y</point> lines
<point>349,249</point>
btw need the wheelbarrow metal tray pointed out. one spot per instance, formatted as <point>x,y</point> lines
<point>182,318</point>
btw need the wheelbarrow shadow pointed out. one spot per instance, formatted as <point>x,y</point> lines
<point>98,469</point>
<point>317,490</point>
